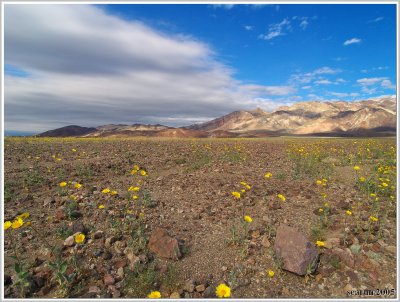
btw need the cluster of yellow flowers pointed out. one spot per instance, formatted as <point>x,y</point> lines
<point>238,195</point>
<point>17,222</point>
<point>137,169</point>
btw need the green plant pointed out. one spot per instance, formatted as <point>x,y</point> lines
<point>33,178</point>
<point>63,232</point>
<point>64,279</point>
<point>84,171</point>
<point>22,282</point>
<point>141,281</point>
<point>147,201</point>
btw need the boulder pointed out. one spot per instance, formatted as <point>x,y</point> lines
<point>297,253</point>
<point>164,245</point>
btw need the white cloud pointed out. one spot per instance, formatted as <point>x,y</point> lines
<point>223,6</point>
<point>248,27</point>
<point>387,84</point>
<point>91,68</point>
<point>344,94</point>
<point>276,30</point>
<point>352,41</point>
<point>323,82</point>
<point>306,87</point>
<point>304,24</point>
<point>371,85</point>
<point>268,90</point>
<point>376,20</point>
<point>305,78</point>
<point>369,81</point>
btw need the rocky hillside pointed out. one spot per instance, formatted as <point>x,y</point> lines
<point>372,117</point>
<point>307,118</point>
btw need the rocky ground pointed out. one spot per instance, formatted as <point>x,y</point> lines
<point>184,233</point>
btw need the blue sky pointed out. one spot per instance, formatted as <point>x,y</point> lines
<point>181,64</point>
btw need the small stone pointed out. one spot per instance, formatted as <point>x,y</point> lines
<point>347,288</point>
<point>109,280</point>
<point>94,290</point>
<point>48,201</point>
<point>7,280</point>
<point>60,213</point>
<point>120,272</point>
<point>107,255</point>
<point>79,227</point>
<point>345,256</point>
<point>331,243</point>
<point>210,292</point>
<point>120,263</point>
<point>109,241</point>
<point>189,286</point>
<point>97,253</point>
<point>70,241</point>
<point>200,288</point>
<point>119,247</point>
<point>224,268</point>
<point>98,234</point>
<point>391,249</point>
<point>175,295</point>
<point>265,241</point>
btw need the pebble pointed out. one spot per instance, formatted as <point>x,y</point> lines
<point>109,280</point>
<point>98,234</point>
<point>175,295</point>
<point>120,272</point>
<point>109,241</point>
<point>70,241</point>
<point>189,286</point>
<point>200,288</point>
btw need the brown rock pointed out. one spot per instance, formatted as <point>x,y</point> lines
<point>109,280</point>
<point>265,241</point>
<point>175,295</point>
<point>345,256</point>
<point>200,288</point>
<point>296,252</point>
<point>163,245</point>
<point>79,227</point>
<point>60,213</point>
<point>70,241</point>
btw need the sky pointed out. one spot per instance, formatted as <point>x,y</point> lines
<point>90,65</point>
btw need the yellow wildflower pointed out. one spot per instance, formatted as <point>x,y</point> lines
<point>319,182</point>
<point>223,291</point>
<point>248,187</point>
<point>384,184</point>
<point>271,273</point>
<point>133,172</point>
<point>114,192</point>
<point>236,195</point>
<point>136,167</point>
<point>101,206</point>
<point>243,183</point>
<point>79,238</point>
<point>323,194</point>
<point>320,210</point>
<point>62,184</point>
<point>362,179</point>
<point>143,173</point>
<point>105,191</point>
<point>78,185</point>
<point>373,218</point>
<point>242,190</point>
<point>154,295</point>
<point>133,189</point>
<point>248,219</point>
<point>320,243</point>
<point>73,197</point>
<point>281,197</point>
<point>135,197</point>
<point>17,223</point>
<point>73,150</point>
<point>356,168</point>
<point>268,175</point>
<point>348,212</point>
<point>7,225</point>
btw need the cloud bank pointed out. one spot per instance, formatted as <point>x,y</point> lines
<point>83,66</point>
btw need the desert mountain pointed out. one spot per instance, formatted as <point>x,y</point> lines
<point>364,118</point>
<point>309,118</point>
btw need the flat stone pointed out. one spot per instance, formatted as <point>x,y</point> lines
<point>189,286</point>
<point>200,288</point>
<point>265,241</point>
<point>164,245</point>
<point>175,295</point>
<point>70,241</point>
<point>108,280</point>
<point>296,252</point>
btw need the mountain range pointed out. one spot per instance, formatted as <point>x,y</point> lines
<point>372,117</point>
